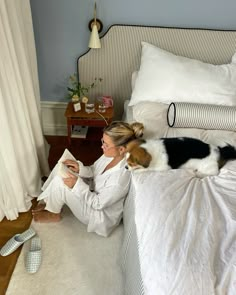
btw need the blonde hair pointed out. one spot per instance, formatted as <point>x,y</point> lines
<point>121,132</point>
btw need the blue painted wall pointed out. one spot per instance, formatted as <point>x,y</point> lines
<point>61,29</point>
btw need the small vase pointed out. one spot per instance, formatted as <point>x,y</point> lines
<point>75,99</point>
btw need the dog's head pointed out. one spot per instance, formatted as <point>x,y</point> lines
<point>137,156</point>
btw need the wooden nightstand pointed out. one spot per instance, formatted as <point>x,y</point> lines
<point>82,118</point>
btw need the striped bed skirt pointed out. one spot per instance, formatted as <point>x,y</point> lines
<point>130,264</point>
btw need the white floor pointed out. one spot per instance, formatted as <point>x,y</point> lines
<point>74,262</point>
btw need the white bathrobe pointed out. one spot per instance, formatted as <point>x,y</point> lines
<point>100,209</point>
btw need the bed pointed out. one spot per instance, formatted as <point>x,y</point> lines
<point>179,230</point>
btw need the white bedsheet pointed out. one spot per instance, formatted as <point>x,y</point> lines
<point>186,229</point>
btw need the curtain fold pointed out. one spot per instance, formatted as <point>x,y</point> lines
<point>23,150</point>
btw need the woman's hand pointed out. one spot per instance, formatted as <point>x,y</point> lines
<point>73,165</point>
<point>70,180</point>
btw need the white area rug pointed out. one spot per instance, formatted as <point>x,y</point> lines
<point>73,262</point>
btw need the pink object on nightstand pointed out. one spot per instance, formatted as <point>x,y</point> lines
<point>108,101</point>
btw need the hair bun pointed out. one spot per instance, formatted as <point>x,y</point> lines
<point>137,128</point>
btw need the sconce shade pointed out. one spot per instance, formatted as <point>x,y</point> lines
<point>94,41</point>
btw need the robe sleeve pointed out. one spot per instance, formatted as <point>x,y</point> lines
<point>113,191</point>
<point>85,171</point>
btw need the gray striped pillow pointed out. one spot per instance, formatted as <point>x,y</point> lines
<point>202,116</point>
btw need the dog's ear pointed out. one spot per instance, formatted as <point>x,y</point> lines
<point>133,144</point>
<point>144,158</point>
<point>139,156</point>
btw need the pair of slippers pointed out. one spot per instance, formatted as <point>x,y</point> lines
<point>33,256</point>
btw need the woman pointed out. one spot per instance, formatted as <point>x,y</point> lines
<point>100,207</point>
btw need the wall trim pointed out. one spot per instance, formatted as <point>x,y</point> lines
<point>53,119</point>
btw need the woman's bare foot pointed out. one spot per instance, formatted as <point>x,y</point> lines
<point>39,207</point>
<point>46,216</point>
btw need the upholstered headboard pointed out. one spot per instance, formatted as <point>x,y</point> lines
<point>121,51</point>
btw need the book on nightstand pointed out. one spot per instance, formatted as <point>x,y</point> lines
<point>79,131</point>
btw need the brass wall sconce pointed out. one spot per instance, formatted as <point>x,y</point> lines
<point>95,26</point>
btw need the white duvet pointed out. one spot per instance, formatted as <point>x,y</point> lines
<point>186,228</point>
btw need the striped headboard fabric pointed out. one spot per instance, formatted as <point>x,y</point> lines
<point>121,51</point>
<point>202,116</point>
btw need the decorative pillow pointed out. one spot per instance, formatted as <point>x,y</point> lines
<point>203,116</point>
<point>165,77</point>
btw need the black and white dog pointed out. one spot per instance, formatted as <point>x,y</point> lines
<point>180,152</point>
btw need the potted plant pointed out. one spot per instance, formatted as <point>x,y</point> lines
<point>77,91</point>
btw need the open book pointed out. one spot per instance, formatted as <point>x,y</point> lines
<point>62,168</point>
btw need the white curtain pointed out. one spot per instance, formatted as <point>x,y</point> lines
<point>23,152</point>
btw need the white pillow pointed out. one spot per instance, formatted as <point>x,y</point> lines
<point>165,77</point>
<point>153,115</point>
<point>133,79</point>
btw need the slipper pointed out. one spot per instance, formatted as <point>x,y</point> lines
<point>34,256</point>
<point>16,241</point>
